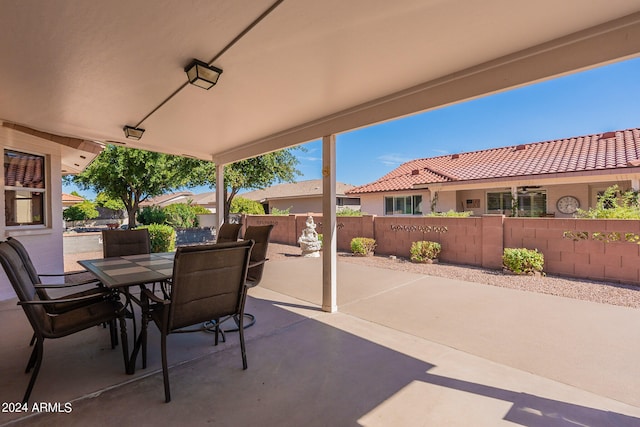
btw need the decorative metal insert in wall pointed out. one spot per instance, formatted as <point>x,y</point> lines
<point>606,237</point>
<point>421,228</point>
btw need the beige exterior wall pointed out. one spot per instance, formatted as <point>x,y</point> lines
<point>304,205</point>
<point>44,243</point>
<point>298,205</point>
<point>446,201</point>
<point>472,200</point>
<point>372,204</point>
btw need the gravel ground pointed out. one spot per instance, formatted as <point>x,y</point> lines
<point>601,292</point>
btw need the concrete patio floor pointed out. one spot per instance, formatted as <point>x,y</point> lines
<point>404,349</point>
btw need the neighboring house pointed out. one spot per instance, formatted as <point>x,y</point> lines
<point>34,163</point>
<point>301,197</point>
<point>550,178</point>
<point>69,200</point>
<point>206,200</point>
<point>168,199</point>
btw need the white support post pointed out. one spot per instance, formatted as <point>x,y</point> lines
<point>329,229</point>
<point>219,196</point>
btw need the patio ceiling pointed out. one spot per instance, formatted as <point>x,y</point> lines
<point>309,68</point>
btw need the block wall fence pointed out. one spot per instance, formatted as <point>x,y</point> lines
<point>604,250</point>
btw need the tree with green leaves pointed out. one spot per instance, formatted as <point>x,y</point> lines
<point>105,201</point>
<point>252,174</point>
<point>80,211</point>
<point>243,205</point>
<point>132,176</point>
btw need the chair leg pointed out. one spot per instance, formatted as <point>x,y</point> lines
<point>37,352</point>
<point>114,334</point>
<point>33,340</point>
<point>217,330</point>
<point>243,350</point>
<point>125,345</point>
<point>165,369</point>
<point>144,335</point>
<point>32,360</point>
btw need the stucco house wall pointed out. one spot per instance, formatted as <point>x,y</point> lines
<point>298,204</point>
<point>372,204</point>
<point>44,243</point>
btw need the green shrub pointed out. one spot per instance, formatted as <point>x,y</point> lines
<point>451,213</point>
<point>523,261</point>
<point>424,250</point>
<point>362,245</point>
<point>276,211</point>
<point>613,204</point>
<point>348,212</point>
<point>180,215</point>
<point>151,215</point>
<point>246,206</point>
<point>163,237</point>
<point>80,211</point>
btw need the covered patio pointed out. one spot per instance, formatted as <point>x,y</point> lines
<point>405,349</point>
<point>292,72</point>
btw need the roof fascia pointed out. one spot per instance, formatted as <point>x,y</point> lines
<point>620,174</point>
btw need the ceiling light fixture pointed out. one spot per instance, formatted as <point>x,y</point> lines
<point>133,133</point>
<point>202,74</point>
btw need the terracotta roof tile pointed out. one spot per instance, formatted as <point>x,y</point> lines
<point>612,150</point>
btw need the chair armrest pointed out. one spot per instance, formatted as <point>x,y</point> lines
<point>257,263</point>
<point>153,297</point>
<point>70,273</point>
<point>65,300</point>
<point>65,285</point>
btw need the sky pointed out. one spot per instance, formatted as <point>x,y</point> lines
<point>593,101</point>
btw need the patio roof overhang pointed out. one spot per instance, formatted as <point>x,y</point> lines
<point>305,70</point>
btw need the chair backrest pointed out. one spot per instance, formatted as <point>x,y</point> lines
<point>125,242</point>
<point>208,282</point>
<point>228,233</point>
<point>22,284</point>
<point>260,235</point>
<point>26,259</point>
<point>28,265</point>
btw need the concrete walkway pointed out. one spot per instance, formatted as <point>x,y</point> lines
<point>405,349</point>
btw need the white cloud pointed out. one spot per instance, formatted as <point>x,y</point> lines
<point>310,159</point>
<point>393,159</point>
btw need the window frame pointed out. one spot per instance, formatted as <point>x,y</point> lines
<point>415,202</point>
<point>42,191</point>
<point>505,197</point>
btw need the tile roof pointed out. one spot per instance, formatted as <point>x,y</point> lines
<point>609,150</point>
<point>168,198</point>
<point>71,199</point>
<point>311,187</point>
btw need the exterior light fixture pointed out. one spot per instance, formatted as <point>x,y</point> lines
<point>133,133</point>
<point>202,74</point>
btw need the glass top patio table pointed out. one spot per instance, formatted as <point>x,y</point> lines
<point>130,270</point>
